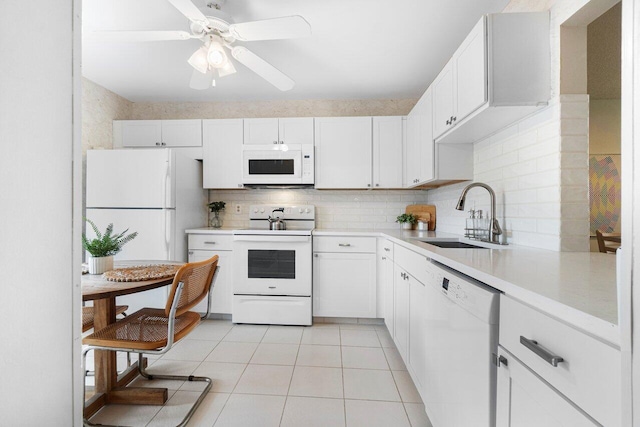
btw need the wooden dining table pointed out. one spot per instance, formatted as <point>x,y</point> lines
<point>110,387</point>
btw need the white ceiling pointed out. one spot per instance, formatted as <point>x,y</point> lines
<point>360,49</point>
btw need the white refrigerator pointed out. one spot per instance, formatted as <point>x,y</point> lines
<point>156,192</point>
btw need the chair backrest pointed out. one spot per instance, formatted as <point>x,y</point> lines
<point>607,237</point>
<point>196,278</point>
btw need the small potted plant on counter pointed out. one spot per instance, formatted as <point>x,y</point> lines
<point>216,207</point>
<point>407,220</point>
<point>103,247</point>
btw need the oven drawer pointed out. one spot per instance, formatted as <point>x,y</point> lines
<point>214,242</point>
<point>344,244</point>
<point>270,310</point>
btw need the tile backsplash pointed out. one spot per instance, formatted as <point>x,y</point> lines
<point>343,209</point>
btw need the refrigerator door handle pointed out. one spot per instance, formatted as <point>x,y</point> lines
<point>165,189</point>
<point>167,233</point>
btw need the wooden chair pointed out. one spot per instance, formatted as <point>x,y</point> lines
<point>154,331</point>
<point>614,240</point>
<point>87,316</point>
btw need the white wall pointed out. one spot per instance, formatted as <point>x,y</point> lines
<point>39,153</point>
<point>344,209</point>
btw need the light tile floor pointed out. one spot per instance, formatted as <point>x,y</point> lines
<point>327,375</point>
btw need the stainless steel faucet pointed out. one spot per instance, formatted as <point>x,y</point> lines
<point>494,228</point>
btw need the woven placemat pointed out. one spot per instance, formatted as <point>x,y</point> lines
<point>139,273</point>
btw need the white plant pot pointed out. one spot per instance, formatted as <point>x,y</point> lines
<point>407,226</point>
<point>98,265</point>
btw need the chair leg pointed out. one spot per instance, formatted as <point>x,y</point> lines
<point>203,394</point>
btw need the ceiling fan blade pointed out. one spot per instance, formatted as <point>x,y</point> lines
<point>202,81</point>
<point>136,36</point>
<point>188,9</point>
<point>287,27</point>
<point>262,68</point>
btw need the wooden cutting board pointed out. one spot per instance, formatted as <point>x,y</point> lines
<point>426,212</point>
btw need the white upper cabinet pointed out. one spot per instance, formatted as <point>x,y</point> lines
<point>222,153</point>
<point>343,152</point>
<point>387,151</point>
<point>157,133</point>
<point>298,130</point>
<point>419,152</point>
<point>503,62</point>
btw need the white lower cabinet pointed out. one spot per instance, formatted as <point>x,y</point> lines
<point>401,284</point>
<point>344,281</point>
<point>555,374</point>
<point>385,283</point>
<point>526,400</point>
<point>222,291</point>
<point>418,333</point>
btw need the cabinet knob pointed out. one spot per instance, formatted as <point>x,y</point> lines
<point>315,255</point>
<point>368,185</point>
<point>282,142</point>
<point>164,143</point>
<point>454,119</point>
<point>239,185</point>
<point>275,142</point>
<point>387,250</point>
<point>190,252</point>
<point>377,185</point>
<point>157,143</point>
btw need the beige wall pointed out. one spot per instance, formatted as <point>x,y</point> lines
<point>295,108</point>
<point>99,108</point>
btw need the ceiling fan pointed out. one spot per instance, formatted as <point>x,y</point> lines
<point>218,37</point>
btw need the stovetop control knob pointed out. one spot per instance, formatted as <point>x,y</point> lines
<point>255,210</point>
<point>307,210</point>
<point>261,210</point>
<point>300,210</point>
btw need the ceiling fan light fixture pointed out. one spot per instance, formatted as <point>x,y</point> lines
<point>227,69</point>
<point>199,60</point>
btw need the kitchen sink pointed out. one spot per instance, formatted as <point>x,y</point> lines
<point>452,244</point>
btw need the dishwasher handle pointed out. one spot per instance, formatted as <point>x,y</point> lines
<point>546,355</point>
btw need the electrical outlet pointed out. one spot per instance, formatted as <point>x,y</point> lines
<point>238,209</point>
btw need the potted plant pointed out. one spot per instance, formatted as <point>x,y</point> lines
<point>407,220</point>
<point>103,247</point>
<point>216,207</point>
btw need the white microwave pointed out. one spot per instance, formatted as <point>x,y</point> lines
<point>280,164</point>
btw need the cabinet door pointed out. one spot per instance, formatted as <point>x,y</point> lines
<point>525,400</point>
<point>343,152</point>
<point>222,291</point>
<point>344,285</point>
<point>401,311</point>
<point>222,153</point>
<point>182,133</point>
<point>470,72</point>
<point>426,146</point>
<point>443,100</point>
<point>297,130</point>
<point>141,133</point>
<point>261,131</point>
<point>412,148</point>
<point>418,332</point>
<point>387,152</point>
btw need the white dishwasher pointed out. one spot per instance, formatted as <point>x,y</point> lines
<point>462,338</point>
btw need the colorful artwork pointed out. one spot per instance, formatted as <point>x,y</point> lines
<point>605,193</point>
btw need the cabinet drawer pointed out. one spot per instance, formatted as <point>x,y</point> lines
<point>413,263</point>
<point>590,373</point>
<point>344,244</point>
<point>217,242</point>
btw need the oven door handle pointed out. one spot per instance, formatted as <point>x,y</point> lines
<point>268,239</point>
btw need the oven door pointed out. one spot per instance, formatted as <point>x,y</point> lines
<point>263,166</point>
<point>272,265</point>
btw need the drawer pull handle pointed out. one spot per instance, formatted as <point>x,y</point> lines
<point>344,245</point>
<point>272,287</point>
<point>387,250</point>
<point>209,243</point>
<point>548,357</point>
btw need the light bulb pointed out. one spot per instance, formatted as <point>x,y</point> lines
<point>215,55</point>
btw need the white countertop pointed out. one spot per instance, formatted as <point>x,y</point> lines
<point>578,288</point>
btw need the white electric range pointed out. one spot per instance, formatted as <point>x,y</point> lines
<point>272,268</point>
